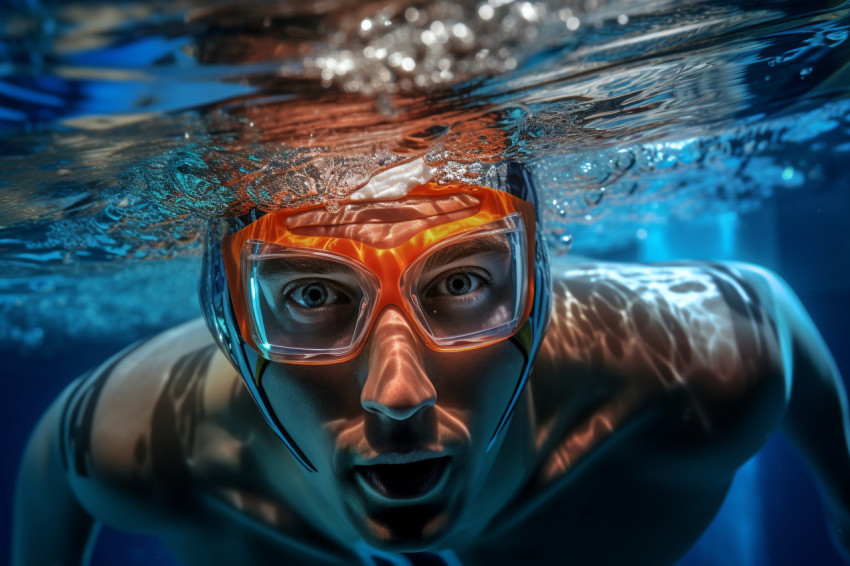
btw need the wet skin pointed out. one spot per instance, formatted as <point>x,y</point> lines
<point>357,420</point>
<point>653,385</point>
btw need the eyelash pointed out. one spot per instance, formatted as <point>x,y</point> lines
<point>478,273</point>
<point>333,292</point>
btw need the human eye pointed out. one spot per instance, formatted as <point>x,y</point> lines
<point>459,283</point>
<point>314,295</point>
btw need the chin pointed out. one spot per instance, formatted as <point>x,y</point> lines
<point>407,529</point>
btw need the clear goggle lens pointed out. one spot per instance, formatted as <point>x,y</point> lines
<point>471,289</point>
<point>316,306</point>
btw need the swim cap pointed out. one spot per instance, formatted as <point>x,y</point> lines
<point>223,322</point>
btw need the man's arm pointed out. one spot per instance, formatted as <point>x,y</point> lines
<point>50,525</point>
<point>816,420</point>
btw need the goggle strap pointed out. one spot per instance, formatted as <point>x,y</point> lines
<point>524,338</point>
<point>254,385</point>
<point>525,342</point>
<point>262,365</point>
<point>534,327</point>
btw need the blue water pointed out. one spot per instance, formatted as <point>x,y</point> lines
<point>700,131</point>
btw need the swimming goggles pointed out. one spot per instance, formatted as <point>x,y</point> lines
<point>308,284</point>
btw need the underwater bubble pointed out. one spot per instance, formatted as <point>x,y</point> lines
<point>594,197</point>
<point>625,159</point>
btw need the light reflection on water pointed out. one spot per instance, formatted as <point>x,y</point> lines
<point>127,126</point>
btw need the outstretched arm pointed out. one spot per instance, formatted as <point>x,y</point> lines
<point>50,525</point>
<point>816,420</point>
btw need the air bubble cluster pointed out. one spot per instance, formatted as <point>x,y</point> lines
<point>437,44</point>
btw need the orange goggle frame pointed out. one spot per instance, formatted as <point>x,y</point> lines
<point>443,212</point>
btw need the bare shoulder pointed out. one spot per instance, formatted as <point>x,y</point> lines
<point>128,428</point>
<point>697,343</point>
<point>686,315</point>
<point>654,384</point>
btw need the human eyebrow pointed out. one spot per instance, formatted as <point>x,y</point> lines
<point>491,243</point>
<point>301,265</point>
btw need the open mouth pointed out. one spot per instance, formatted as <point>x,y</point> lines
<point>404,481</point>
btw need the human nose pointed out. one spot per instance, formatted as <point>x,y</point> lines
<point>397,385</point>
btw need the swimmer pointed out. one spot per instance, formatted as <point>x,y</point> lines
<point>407,380</point>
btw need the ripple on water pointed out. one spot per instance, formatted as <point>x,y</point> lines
<point>127,127</point>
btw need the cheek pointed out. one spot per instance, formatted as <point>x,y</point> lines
<point>306,398</point>
<point>478,384</point>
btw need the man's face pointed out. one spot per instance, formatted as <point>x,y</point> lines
<point>399,434</point>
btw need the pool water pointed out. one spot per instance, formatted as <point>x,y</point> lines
<point>656,130</point>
